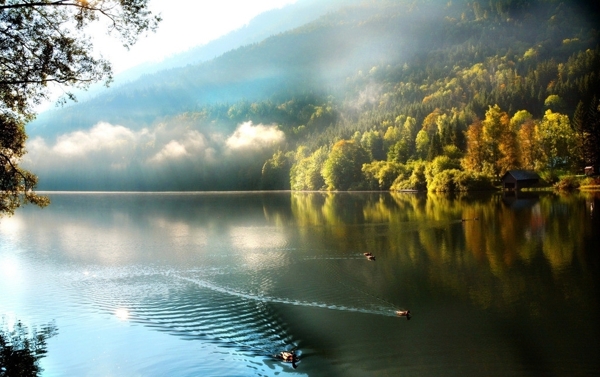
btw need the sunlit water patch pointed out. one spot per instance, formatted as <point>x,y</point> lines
<point>229,305</point>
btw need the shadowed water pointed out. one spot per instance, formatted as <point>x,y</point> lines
<point>217,284</point>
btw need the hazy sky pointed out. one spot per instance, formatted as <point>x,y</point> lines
<point>186,23</point>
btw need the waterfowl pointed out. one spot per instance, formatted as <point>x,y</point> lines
<point>287,356</point>
<point>368,254</point>
<point>370,257</point>
<point>403,313</point>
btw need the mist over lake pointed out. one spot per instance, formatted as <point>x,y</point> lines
<point>216,284</point>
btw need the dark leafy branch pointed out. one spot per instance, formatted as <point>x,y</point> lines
<point>43,43</point>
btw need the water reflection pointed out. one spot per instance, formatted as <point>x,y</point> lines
<point>488,276</point>
<point>188,307</point>
<point>21,349</point>
<point>499,239</point>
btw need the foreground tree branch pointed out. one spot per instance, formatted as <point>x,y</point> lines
<point>43,42</point>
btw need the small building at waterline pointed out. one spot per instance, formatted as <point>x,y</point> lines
<point>518,179</point>
<point>589,170</point>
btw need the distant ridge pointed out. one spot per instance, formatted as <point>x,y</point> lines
<point>264,25</point>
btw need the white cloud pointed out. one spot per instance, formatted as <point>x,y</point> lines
<point>248,136</point>
<point>172,151</point>
<point>102,136</point>
<point>114,153</point>
<point>104,145</point>
<point>191,144</point>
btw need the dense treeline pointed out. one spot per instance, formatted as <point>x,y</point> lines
<point>460,117</point>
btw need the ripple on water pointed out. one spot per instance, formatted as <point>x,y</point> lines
<point>228,304</point>
<point>186,309</point>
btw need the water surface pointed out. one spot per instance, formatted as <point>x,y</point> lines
<point>215,284</point>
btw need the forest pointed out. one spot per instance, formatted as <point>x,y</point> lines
<point>382,95</point>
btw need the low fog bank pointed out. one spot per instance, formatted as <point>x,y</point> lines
<point>163,157</point>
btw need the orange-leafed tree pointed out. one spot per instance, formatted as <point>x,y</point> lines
<point>474,158</point>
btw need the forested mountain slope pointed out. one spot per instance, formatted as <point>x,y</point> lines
<point>379,95</point>
<point>260,27</point>
<point>267,24</point>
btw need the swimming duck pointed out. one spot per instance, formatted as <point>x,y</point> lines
<point>288,357</point>
<point>368,254</point>
<point>370,257</point>
<point>403,313</point>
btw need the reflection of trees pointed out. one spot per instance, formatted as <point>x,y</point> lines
<point>493,252</point>
<point>20,352</point>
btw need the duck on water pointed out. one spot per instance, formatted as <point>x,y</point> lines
<point>369,256</point>
<point>288,357</point>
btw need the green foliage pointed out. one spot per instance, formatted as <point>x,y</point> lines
<point>306,174</point>
<point>520,118</point>
<point>495,128</point>
<point>413,179</point>
<point>549,177</point>
<point>42,43</point>
<point>422,143</point>
<point>444,181</point>
<point>556,141</point>
<point>399,152</point>
<point>380,175</point>
<point>16,184</point>
<point>440,164</point>
<point>372,142</point>
<point>568,183</point>
<point>276,172</point>
<point>590,181</point>
<point>343,168</point>
<point>472,181</point>
<point>554,103</point>
<point>456,180</point>
<point>586,124</point>
<point>453,152</point>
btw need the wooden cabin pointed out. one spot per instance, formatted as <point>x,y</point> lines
<point>518,179</point>
<point>589,170</point>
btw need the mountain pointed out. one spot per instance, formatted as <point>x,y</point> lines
<point>263,26</point>
<point>258,115</point>
<point>259,28</point>
<point>318,54</point>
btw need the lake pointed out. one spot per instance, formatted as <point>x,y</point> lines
<point>215,284</point>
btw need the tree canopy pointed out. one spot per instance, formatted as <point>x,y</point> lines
<point>43,42</point>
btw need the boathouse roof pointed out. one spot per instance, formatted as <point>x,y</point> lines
<point>521,175</point>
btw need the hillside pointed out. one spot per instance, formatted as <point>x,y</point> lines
<point>314,56</point>
<point>394,85</point>
<point>169,80</point>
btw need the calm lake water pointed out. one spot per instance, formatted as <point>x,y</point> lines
<point>214,284</point>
